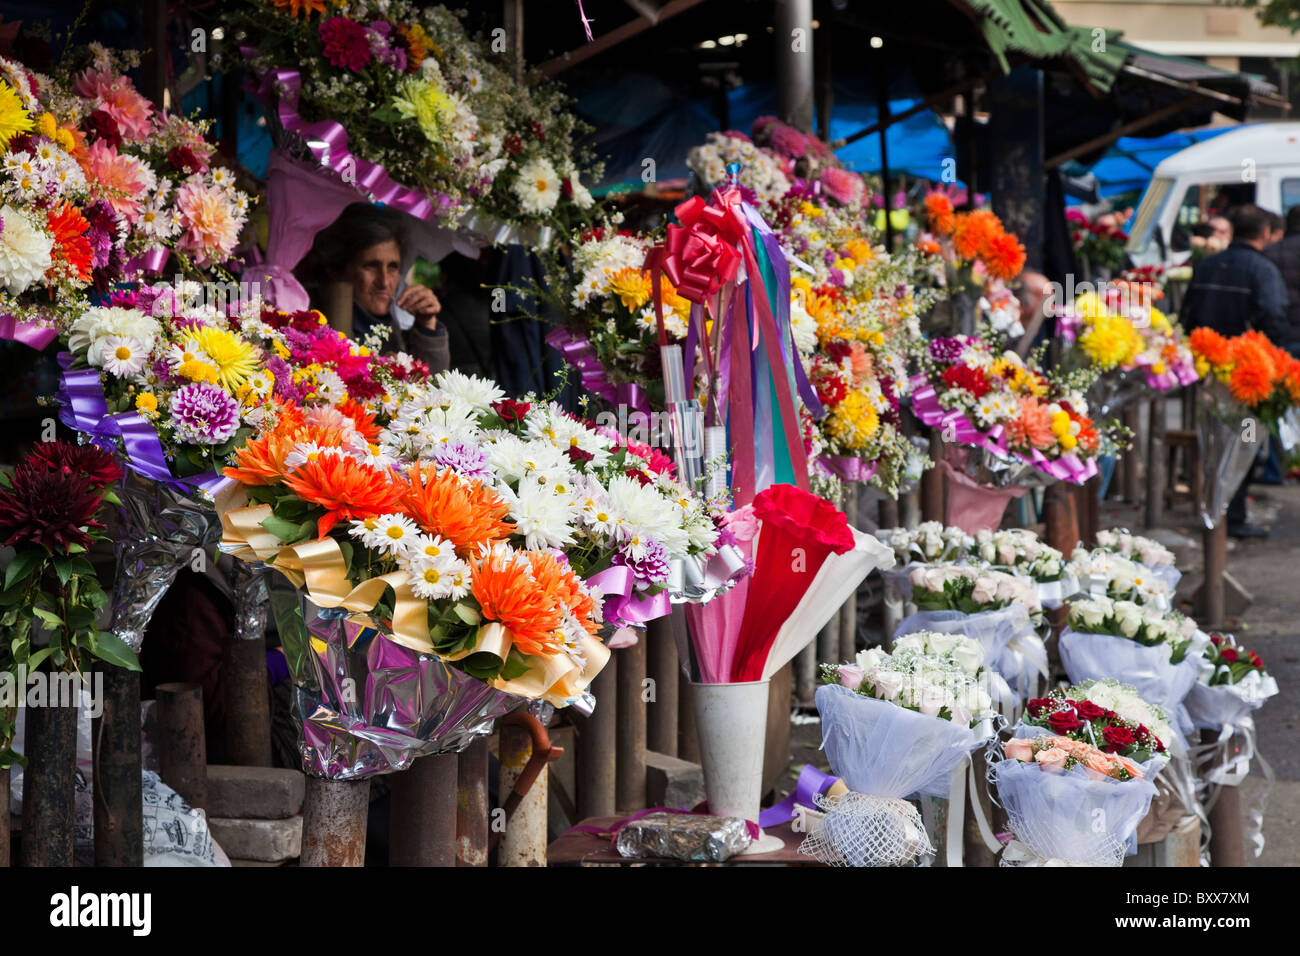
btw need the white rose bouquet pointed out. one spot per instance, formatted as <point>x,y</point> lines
<point>1137,623</point>
<point>972,590</point>
<point>1102,573</point>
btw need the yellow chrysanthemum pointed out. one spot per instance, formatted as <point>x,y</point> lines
<point>854,421</point>
<point>197,371</point>
<point>146,403</point>
<point>1111,341</point>
<point>1160,322</point>
<point>47,125</point>
<point>14,120</point>
<point>632,286</point>
<point>233,358</point>
<point>859,250</point>
<point>1090,306</point>
<point>427,104</point>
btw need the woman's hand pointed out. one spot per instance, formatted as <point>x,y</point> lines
<point>420,301</point>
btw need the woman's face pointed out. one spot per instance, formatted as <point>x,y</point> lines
<point>374,273</point>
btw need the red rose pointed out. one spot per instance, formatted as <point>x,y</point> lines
<point>105,127</point>
<point>972,380</point>
<point>1037,705</point>
<point>184,158</point>
<point>1255,660</point>
<point>566,187</point>
<point>1089,711</point>
<point>513,145</point>
<point>1110,715</point>
<point>509,410</point>
<point>1216,640</point>
<point>1064,721</point>
<point>1120,737</point>
<point>1229,654</point>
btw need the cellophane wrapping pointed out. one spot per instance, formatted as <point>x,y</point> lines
<point>1012,648</point>
<point>690,837</point>
<point>1226,457</point>
<point>366,705</point>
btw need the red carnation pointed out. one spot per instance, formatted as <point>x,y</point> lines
<point>1216,640</point>
<point>1064,721</point>
<point>184,158</point>
<point>105,127</point>
<point>837,352</point>
<point>1089,711</point>
<point>972,380</point>
<point>346,43</point>
<point>1229,654</point>
<point>577,455</point>
<point>1037,705</point>
<point>510,410</point>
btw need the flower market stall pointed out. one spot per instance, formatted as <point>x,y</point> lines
<point>318,602</point>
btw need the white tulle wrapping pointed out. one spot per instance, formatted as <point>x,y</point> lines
<point>1098,656</point>
<point>1167,573</point>
<point>1012,647</point>
<point>1077,816</point>
<point>884,750</point>
<point>1227,705</point>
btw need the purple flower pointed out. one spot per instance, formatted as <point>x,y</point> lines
<point>202,414</point>
<point>830,257</point>
<point>464,459</point>
<point>836,277</point>
<point>285,389</point>
<point>652,568</point>
<point>946,349</point>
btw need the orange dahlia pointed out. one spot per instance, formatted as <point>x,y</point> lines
<point>365,420</point>
<point>260,461</point>
<point>465,513</point>
<point>1003,256</point>
<point>295,7</point>
<point>508,591</point>
<point>71,246</point>
<point>972,232</point>
<point>1211,346</point>
<point>1032,426</point>
<point>938,212</point>
<point>346,489</point>
<point>1251,378</point>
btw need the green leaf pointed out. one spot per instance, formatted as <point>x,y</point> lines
<point>516,665</point>
<point>38,658</point>
<point>482,665</point>
<point>347,549</point>
<point>468,614</point>
<point>22,565</point>
<point>49,617</point>
<point>111,648</point>
<point>282,529</point>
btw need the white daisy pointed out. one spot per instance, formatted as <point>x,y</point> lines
<point>393,534</point>
<point>308,451</point>
<point>122,356</point>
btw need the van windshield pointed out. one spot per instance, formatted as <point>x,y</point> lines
<point>1148,214</point>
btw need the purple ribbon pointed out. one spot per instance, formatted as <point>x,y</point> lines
<point>151,261</point>
<point>578,352</point>
<point>622,606</point>
<point>926,407</point>
<point>328,142</point>
<point>30,334</point>
<point>845,467</point>
<point>811,784</point>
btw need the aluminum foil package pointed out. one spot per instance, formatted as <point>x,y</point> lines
<point>162,531</point>
<point>366,705</point>
<point>684,836</point>
<point>1226,456</point>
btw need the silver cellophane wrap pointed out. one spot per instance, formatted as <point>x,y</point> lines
<point>683,836</point>
<point>1112,391</point>
<point>1226,457</point>
<point>252,594</point>
<point>366,705</point>
<point>161,531</point>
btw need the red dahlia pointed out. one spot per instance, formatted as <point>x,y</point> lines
<point>50,508</point>
<point>972,380</point>
<point>100,467</point>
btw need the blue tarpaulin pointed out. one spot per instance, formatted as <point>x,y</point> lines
<point>1130,163</point>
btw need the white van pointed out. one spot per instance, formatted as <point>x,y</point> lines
<point>1259,163</point>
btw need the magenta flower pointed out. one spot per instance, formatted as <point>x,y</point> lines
<point>202,414</point>
<point>347,44</point>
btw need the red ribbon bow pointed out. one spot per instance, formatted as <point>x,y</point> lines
<point>703,253</point>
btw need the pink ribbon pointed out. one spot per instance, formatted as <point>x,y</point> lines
<point>622,606</point>
<point>28,333</point>
<point>578,352</point>
<point>845,467</point>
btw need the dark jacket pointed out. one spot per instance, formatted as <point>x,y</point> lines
<point>1236,290</point>
<point>430,346</point>
<point>1286,256</point>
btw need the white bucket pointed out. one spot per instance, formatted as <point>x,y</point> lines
<point>731,721</point>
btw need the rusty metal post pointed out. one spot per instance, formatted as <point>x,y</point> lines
<point>661,667</point>
<point>118,796</point>
<point>334,822</point>
<point>890,516</point>
<point>524,842</point>
<point>5,843</point>
<point>776,752</point>
<point>1132,461</point>
<point>805,672</point>
<point>596,746</point>
<point>1227,835</point>
<point>49,783</point>
<point>932,500</point>
<point>1155,458</point>
<point>182,746</point>
<point>1060,517</point>
<point>338,306</point>
<point>630,732</point>
<point>1214,544</point>
<point>688,741</point>
<point>422,813</point>
<point>248,704</point>
<point>472,804</point>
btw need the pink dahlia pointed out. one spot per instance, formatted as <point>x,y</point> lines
<point>203,414</point>
<point>788,141</point>
<point>119,180</point>
<point>842,185</point>
<point>209,223</point>
<point>118,97</point>
<point>346,44</point>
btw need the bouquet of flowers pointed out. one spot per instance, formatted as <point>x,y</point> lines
<point>422,102</point>
<point>1106,573</point>
<point>1100,243</point>
<point>1151,554</point>
<point>1135,622</point>
<point>1077,778</point>
<point>972,590</point>
<point>903,723</point>
<point>930,542</point>
<point>979,256</point>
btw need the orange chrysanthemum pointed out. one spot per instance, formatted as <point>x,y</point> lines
<point>260,461</point>
<point>295,7</point>
<point>938,212</point>
<point>1251,378</point>
<point>567,590</point>
<point>972,232</point>
<point>1003,256</point>
<point>465,513</point>
<point>1211,346</point>
<point>1291,378</point>
<point>928,246</point>
<point>1032,427</point>
<point>519,594</point>
<point>365,420</point>
<point>346,489</point>
<point>71,246</point>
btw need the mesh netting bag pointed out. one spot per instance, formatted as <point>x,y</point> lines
<point>1075,817</point>
<point>861,830</point>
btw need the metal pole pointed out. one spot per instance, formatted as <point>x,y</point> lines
<point>182,746</point>
<point>1214,543</point>
<point>596,747</point>
<point>1227,838</point>
<point>688,741</point>
<point>1156,463</point>
<point>849,611</point>
<point>805,672</point>
<point>909,510</point>
<point>891,610</point>
<point>661,665</point>
<point>248,704</point>
<point>49,784</point>
<point>1132,461</point>
<point>932,505</point>
<point>630,731</point>
<point>472,804</point>
<point>422,813</point>
<point>882,111</point>
<point>794,63</point>
<point>334,822</point>
<point>119,801</point>
<point>524,842</point>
